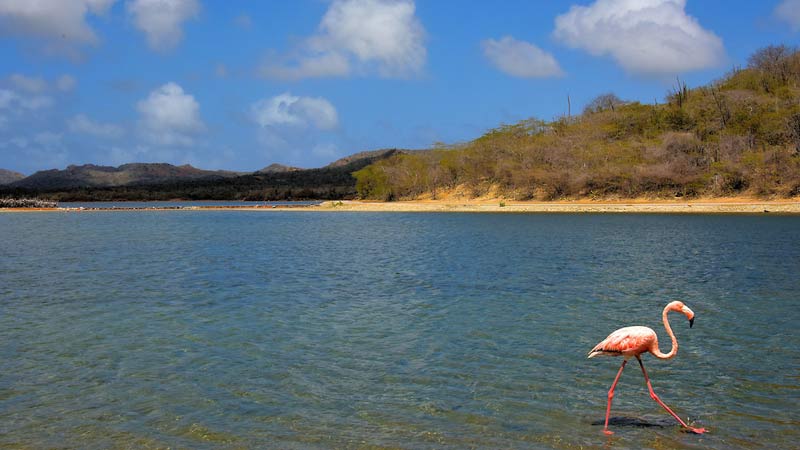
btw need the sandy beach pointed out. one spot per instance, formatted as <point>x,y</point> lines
<point>715,206</point>
<point>700,206</point>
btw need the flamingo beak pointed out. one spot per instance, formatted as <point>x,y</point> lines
<point>689,315</point>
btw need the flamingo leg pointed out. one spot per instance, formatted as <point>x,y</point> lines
<point>658,400</point>
<point>611,397</point>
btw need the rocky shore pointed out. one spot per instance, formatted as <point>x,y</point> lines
<point>26,203</point>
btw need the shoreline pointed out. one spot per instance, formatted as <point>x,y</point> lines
<point>699,206</point>
<point>634,206</point>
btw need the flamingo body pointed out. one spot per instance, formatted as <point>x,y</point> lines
<point>627,342</point>
<point>633,341</point>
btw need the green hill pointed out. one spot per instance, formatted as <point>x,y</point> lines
<point>739,135</point>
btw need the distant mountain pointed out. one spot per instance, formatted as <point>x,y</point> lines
<point>136,182</point>
<point>9,176</point>
<point>278,168</point>
<point>373,155</point>
<point>90,175</point>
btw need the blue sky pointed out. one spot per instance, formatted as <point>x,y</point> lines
<point>239,85</point>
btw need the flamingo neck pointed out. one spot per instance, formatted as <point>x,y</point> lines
<point>656,351</point>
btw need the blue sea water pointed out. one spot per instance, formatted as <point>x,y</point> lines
<point>213,329</point>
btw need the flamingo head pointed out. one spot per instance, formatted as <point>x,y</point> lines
<point>681,308</point>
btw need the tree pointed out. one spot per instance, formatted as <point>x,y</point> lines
<point>604,102</point>
<point>774,63</point>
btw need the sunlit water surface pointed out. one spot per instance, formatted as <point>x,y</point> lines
<point>203,329</point>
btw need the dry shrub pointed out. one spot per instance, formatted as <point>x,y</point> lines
<point>727,179</point>
<point>523,185</point>
<point>676,144</point>
<point>479,189</point>
<point>554,185</point>
<point>731,147</point>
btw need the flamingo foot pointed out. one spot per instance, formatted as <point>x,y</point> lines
<point>696,430</point>
<point>608,432</point>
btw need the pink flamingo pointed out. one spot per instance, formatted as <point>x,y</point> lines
<point>633,341</point>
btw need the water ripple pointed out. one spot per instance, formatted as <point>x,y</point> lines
<point>306,330</point>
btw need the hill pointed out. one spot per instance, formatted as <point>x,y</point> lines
<point>166,182</point>
<point>277,168</point>
<point>738,135</point>
<point>90,175</point>
<point>8,176</point>
<point>368,155</point>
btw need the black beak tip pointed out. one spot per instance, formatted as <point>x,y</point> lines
<point>691,322</point>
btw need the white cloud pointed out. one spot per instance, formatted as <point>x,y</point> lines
<point>360,35</point>
<point>7,98</point>
<point>292,128</point>
<point>520,58</point>
<point>36,102</point>
<point>317,66</point>
<point>789,12</point>
<point>85,125</point>
<point>29,84</point>
<point>161,20</point>
<point>32,87</point>
<point>650,37</point>
<point>66,83</point>
<point>169,116</point>
<point>374,30</point>
<point>12,100</point>
<point>59,26</point>
<point>287,109</point>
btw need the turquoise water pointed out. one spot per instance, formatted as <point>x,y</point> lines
<point>205,329</point>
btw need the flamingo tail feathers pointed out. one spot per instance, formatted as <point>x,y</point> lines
<point>601,352</point>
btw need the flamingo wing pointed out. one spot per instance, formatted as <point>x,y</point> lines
<point>628,341</point>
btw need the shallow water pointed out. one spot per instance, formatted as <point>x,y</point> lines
<point>180,204</point>
<point>204,329</point>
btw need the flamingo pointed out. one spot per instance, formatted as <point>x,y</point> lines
<point>633,341</point>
